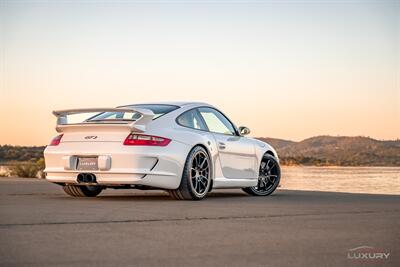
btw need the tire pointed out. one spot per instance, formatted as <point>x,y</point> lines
<point>82,191</point>
<point>269,177</point>
<point>196,176</point>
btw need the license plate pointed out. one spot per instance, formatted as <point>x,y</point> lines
<point>87,164</point>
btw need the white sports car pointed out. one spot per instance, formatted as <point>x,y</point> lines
<point>187,149</point>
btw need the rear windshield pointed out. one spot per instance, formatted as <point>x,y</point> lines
<point>157,109</point>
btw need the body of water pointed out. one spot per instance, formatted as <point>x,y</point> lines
<point>371,180</point>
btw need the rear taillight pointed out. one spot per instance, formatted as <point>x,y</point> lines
<point>56,140</point>
<point>145,140</point>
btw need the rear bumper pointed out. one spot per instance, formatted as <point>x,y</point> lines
<point>159,167</point>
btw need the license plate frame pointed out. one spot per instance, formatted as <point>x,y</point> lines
<point>87,164</point>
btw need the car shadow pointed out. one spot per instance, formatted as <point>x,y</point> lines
<point>163,196</point>
<point>236,195</point>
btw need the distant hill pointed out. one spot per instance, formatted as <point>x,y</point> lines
<point>319,150</point>
<point>338,150</point>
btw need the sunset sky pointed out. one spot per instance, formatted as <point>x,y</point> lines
<point>285,69</point>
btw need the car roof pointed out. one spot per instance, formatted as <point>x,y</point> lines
<point>173,103</point>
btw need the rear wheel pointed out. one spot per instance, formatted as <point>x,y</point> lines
<point>269,177</point>
<point>196,176</point>
<point>82,191</point>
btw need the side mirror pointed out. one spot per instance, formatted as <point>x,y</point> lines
<point>243,130</point>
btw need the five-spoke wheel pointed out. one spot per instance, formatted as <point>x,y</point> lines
<point>269,177</point>
<point>199,172</point>
<point>196,176</point>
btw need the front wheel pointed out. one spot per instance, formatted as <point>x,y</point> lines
<point>269,177</point>
<point>196,176</point>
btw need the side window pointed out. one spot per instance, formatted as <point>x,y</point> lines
<point>191,119</point>
<point>216,121</point>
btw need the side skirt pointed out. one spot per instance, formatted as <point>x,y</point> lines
<point>222,182</point>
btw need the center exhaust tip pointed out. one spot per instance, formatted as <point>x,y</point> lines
<point>86,178</point>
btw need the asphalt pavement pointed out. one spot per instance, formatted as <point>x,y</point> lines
<point>42,226</point>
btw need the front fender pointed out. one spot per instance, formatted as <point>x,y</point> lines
<point>261,148</point>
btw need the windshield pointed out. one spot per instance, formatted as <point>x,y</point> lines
<point>157,109</point>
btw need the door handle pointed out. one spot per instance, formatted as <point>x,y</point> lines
<point>221,145</point>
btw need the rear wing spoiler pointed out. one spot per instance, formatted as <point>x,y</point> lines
<point>138,125</point>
